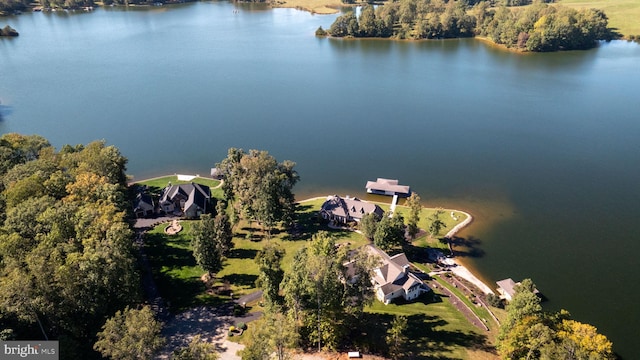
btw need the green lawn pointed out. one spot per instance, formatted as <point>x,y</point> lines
<point>436,329</point>
<point>157,184</point>
<point>624,15</point>
<point>178,276</point>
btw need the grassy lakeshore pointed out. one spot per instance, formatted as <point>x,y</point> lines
<point>313,6</point>
<point>437,328</point>
<point>623,14</point>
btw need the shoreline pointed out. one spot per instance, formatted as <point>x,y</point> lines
<point>459,269</point>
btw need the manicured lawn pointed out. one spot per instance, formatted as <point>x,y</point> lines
<point>156,185</point>
<point>175,270</point>
<point>623,14</point>
<point>178,276</point>
<point>436,329</point>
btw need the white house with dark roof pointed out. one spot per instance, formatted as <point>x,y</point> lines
<point>192,200</point>
<point>387,187</point>
<point>393,280</point>
<point>347,209</point>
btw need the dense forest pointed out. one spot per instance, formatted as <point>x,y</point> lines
<point>539,27</point>
<point>66,255</point>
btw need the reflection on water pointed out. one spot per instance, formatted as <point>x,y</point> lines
<point>540,148</point>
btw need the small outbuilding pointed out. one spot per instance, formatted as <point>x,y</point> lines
<point>506,288</point>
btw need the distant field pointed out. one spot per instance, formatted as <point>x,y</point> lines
<point>314,6</point>
<point>624,15</point>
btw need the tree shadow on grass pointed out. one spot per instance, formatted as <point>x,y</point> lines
<point>242,254</point>
<point>241,280</point>
<point>307,223</point>
<point>179,293</point>
<point>163,255</point>
<point>426,337</point>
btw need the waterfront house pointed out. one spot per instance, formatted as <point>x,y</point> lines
<point>190,200</point>
<point>343,210</point>
<point>143,205</point>
<point>393,280</point>
<point>387,187</point>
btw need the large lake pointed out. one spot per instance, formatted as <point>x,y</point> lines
<point>544,149</point>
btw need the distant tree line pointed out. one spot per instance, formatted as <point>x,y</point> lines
<point>539,27</point>
<point>9,6</point>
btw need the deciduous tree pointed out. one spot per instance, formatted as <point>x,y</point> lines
<point>396,337</point>
<point>198,349</point>
<point>413,202</point>
<point>271,274</point>
<point>206,249</point>
<point>390,232</point>
<point>130,335</point>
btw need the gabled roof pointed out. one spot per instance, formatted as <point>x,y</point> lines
<point>508,286</point>
<point>394,275</point>
<point>194,194</point>
<point>143,201</point>
<point>350,208</point>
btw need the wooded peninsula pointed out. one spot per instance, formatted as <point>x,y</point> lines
<point>537,28</point>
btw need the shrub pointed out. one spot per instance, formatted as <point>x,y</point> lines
<point>232,328</point>
<point>494,301</point>
<point>230,333</point>
<point>241,326</point>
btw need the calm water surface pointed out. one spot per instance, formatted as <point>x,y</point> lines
<point>543,149</point>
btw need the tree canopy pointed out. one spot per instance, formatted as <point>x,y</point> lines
<point>324,295</point>
<point>530,333</point>
<point>260,187</point>
<point>130,335</point>
<point>540,27</point>
<point>66,249</point>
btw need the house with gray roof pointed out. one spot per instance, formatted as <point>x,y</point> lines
<point>393,280</point>
<point>387,187</point>
<point>189,200</point>
<point>347,209</point>
<point>143,205</point>
<point>507,288</point>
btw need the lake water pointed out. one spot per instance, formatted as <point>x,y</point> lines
<point>542,148</point>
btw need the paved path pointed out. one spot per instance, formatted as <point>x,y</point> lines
<point>461,306</point>
<point>211,323</point>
